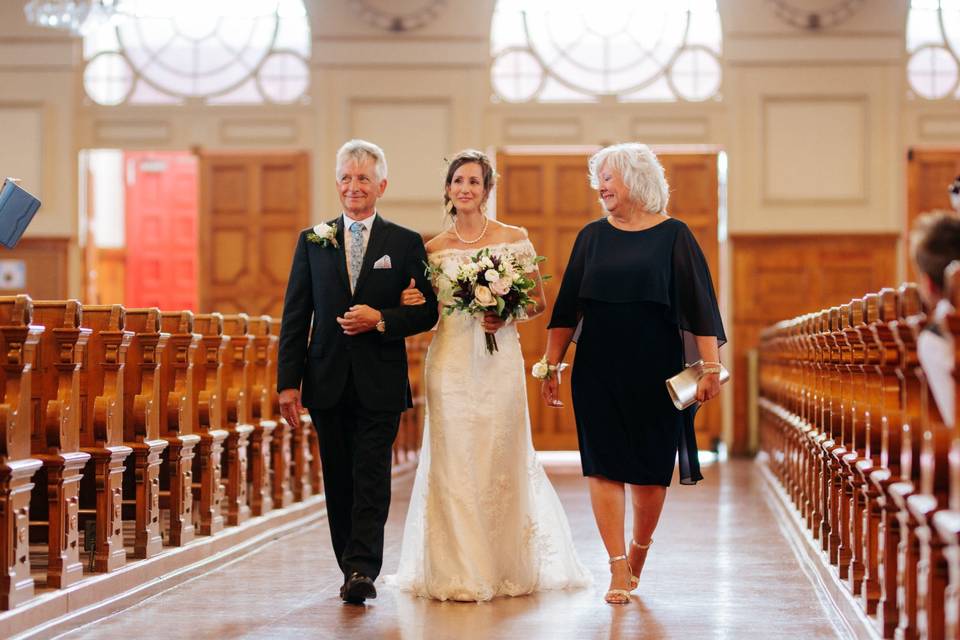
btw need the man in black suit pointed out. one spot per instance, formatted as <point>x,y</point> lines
<point>344,294</point>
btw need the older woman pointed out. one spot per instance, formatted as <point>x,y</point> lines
<point>639,288</point>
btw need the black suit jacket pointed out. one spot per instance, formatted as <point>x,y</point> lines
<point>319,291</point>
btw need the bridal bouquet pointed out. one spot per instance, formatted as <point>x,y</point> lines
<point>491,282</point>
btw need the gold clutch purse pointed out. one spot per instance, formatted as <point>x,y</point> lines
<point>683,386</point>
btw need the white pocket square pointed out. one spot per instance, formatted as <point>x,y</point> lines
<point>383,263</point>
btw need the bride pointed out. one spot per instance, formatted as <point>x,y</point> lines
<point>484,520</point>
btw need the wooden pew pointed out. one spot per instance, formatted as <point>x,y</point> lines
<point>858,414</point>
<point>265,382</point>
<point>142,404</point>
<point>911,318</point>
<point>844,438</point>
<point>853,436</point>
<point>236,417</point>
<point>207,372</point>
<point>888,471</point>
<point>103,362</point>
<point>260,456</point>
<point>175,416</point>
<point>810,505</point>
<point>832,446</point>
<point>19,341</point>
<point>300,485</point>
<point>56,438</point>
<point>873,417</point>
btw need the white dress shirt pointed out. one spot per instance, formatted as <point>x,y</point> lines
<point>348,237</point>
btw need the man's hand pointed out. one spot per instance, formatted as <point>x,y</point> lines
<point>359,319</point>
<point>290,407</point>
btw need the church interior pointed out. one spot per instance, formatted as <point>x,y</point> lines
<point>149,486</point>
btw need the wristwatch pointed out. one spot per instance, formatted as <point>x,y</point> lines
<point>381,326</point>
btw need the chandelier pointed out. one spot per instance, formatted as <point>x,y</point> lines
<point>76,16</point>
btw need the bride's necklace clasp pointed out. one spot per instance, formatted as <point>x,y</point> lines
<point>483,232</point>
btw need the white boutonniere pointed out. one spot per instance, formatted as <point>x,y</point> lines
<point>324,235</point>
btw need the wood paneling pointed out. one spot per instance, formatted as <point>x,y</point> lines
<point>550,196</point>
<point>252,205</point>
<point>929,174</point>
<point>44,261</point>
<point>110,276</point>
<point>780,276</point>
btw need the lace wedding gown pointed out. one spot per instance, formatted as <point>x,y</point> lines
<point>484,520</point>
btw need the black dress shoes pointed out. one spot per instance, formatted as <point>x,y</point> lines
<point>357,588</point>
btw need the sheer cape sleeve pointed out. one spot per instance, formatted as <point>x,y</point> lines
<point>566,310</point>
<point>693,301</point>
<point>695,312</point>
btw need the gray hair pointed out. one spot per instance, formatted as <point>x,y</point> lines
<point>640,171</point>
<point>360,150</point>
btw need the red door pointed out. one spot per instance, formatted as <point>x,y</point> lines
<point>161,230</point>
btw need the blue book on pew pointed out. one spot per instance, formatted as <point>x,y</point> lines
<point>17,208</point>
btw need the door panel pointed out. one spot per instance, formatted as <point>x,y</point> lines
<point>161,230</point>
<point>252,206</point>
<point>929,175</point>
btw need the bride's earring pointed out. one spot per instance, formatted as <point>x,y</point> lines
<point>483,207</point>
<point>449,207</point>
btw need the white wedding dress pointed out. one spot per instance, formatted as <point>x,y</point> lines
<point>484,520</point>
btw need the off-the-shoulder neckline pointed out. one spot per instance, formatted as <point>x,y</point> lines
<point>472,250</point>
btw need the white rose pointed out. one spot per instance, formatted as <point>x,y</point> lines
<point>486,262</point>
<point>484,296</point>
<point>491,275</point>
<point>501,287</point>
<point>540,369</point>
<point>322,229</point>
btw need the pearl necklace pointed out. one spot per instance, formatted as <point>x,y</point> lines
<point>483,231</point>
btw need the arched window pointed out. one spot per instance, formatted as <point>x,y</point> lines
<point>933,44</point>
<point>215,51</point>
<point>631,50</point>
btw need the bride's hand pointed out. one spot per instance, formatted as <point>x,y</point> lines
<point>491,322</point>
<point>411,296</point>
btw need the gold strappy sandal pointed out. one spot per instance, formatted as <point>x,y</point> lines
<point>635,580</point>
<point>618,596</point>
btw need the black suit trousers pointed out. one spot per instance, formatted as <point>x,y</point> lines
<point>356,450</point>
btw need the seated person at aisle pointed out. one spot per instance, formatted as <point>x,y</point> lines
<point>934,244</point>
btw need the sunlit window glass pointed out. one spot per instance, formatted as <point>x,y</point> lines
<point>215,51</point>
<point>933,46</point>
<point>575,51</point>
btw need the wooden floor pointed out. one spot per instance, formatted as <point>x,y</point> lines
<point>721,568</point>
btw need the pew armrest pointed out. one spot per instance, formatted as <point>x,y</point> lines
<point>947,524</point>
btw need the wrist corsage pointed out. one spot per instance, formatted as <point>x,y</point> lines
<point>543,370</point>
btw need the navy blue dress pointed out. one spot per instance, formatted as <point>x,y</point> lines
<point>638,298</point>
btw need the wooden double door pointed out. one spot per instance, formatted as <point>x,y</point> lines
<point>551,196</point>
<point>252,206</point>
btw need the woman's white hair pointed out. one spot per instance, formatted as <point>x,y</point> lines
<point>361,150</point>
<point>640,171</point>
